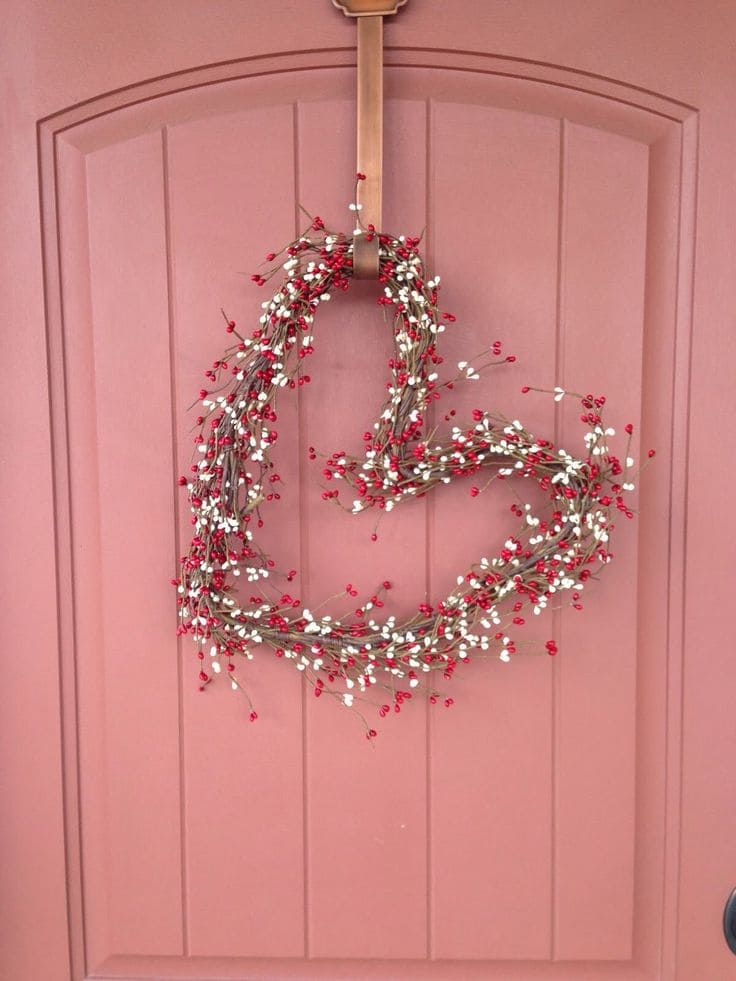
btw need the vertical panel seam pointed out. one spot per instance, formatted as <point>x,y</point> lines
<point>93,389</point>
<point>428,526</point>
<point>637,710</point>
<point>177,526</point>
<point>555,680</point>
<point>686,356</point>
<point>303,556</point>
<point>663,965</point>
<point>61,499</point>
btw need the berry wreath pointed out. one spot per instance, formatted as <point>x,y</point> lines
<point>359,659</point>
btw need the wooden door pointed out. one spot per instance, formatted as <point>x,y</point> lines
<point>569,817</point>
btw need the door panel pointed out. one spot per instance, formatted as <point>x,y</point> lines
<point>533,831</point>
<point>243,858</point>
<point>128,675</point>
<point>604,201</point>
<point>495,171</point>
<point>366,834</point>
<point>521,801</point>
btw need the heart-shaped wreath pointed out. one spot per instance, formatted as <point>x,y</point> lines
<point>352,657</point>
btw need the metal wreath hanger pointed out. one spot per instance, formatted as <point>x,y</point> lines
<point>369,16</point>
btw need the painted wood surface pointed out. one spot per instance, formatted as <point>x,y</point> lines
<point>549,825</point>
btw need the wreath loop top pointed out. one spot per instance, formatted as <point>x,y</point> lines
<point>361,656</point>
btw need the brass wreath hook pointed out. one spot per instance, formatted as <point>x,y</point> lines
<point>369,14</point>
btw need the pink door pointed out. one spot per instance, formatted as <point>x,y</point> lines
<point>570,817</point>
